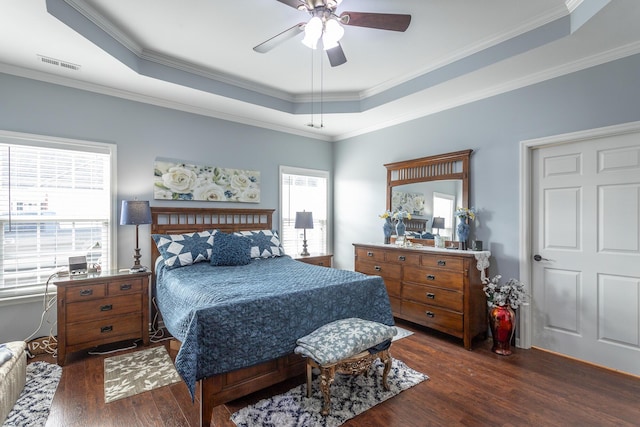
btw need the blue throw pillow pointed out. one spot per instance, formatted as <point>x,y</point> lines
<point>178,250</point>
<point>264,243</point>
<point>229,249</point>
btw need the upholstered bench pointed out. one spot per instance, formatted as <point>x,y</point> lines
<point>347,346</point>
<point>13,375</point>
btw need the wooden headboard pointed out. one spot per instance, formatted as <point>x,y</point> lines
<point>418,225</point>
<point>187,220</point>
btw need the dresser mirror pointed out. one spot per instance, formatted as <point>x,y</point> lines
<point>417,185</point>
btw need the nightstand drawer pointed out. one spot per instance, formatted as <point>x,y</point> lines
<point>84,293</point>
<point>121,287</point>
<point>105,329</point>
<point>434,277</point>
<point>107,307</point>
<point>434,296</point>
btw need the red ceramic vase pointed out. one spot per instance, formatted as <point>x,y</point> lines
<point>502,323</point>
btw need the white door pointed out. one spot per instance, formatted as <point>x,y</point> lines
<point>586,235</point>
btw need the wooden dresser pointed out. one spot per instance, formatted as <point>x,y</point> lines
<point>437,288</point>
<point>96,309</point>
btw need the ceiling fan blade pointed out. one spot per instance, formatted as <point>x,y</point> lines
<point>280,38</point>
<point>294,3</point>
<point>381,21</point>
<point>336,56</point>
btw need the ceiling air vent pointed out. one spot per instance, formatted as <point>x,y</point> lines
<point>58,63</point>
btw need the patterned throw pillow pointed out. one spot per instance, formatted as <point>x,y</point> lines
<point>230,249</point>
<point>341,339</point>
<point>178,250</point>
<point>264,243</point>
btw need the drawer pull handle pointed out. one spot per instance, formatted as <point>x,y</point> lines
<point>402,258</point>
<point>431,295</point>
<point>430,314</point>
<point>321,263</point>
<point>378,268</point>
<point>369,253</point>
<point>106,329</point>
<point>86,292</point>
<point>125,287</point>
<point>107,307</point>
<point>431,277</point>
<point>442,263</point>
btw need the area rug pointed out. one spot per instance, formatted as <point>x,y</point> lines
<point>402,333</point>
<point>34,403</point>
<point>350,395</point>
<point>132,373</point>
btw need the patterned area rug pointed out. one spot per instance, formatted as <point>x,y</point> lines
<point>33,405</point>
<point>402,333</point>
<point>350,395</point>
<point>132,373</point>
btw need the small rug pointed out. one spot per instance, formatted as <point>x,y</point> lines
<point>402,333</point>
<point>132,373</point>
<point>34,403</point>
<point>350,395</point>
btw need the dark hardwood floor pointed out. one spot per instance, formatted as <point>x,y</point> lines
<point>466,388</point>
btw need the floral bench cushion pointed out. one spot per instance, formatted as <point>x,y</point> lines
<point>342,339</point>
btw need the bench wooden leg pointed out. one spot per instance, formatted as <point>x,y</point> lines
<point>386,358</point>
<point>327,375</point>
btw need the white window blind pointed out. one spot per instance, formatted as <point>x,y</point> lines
<point>55,202</point>
<point>303,190</point>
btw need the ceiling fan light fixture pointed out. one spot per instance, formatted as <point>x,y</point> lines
<point>332,34</point>
<point>312,32</point>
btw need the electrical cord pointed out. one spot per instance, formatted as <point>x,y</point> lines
<point>157,335</point>
<point>47,303</point>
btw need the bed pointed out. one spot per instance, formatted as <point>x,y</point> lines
<point>237,325</point>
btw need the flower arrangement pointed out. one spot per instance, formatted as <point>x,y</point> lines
<point>511,293</point>
<point>465,213</point>
<point>394,216</point>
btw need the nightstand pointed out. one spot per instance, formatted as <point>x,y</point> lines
<point>101,308</point>
<point>323,260</point>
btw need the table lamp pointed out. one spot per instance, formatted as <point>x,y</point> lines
<point>304,220</point>
<point>135,212</point>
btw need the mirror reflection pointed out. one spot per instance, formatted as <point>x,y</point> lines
<point>427,200</point>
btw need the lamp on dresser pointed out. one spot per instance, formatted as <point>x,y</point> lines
<point>135,212</point>
<point>304,220</point>
<point>438,223</point>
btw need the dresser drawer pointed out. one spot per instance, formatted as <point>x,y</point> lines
<point>434,317</point>
<point>437,261</point>
<point>106,307</point>
<point>105,329</point>
<point>384,269</point>
<point>84,293</point>
<point>370,254</point>
<point>124,287</point>
<point>403,257</point>
<point>433,296</point>
<point>434,277</point>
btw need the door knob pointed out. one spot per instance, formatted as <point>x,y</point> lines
<point>537,257</point>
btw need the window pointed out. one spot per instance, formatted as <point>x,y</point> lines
<point>443,207</point>
<point>304,190</point>
<point>55,202</point>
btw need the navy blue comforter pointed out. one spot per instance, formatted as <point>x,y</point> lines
<point>233,317</point>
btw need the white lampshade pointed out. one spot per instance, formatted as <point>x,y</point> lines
<point>333,32</point>
<point>312,32</point>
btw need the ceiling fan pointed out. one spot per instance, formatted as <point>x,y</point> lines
<point>325,26</point>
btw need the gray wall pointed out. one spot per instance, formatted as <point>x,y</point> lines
<point>604,95</point>
<point>600,96</point>
<point>143,132</point>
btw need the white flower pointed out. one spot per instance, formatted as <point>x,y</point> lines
<point>251,194</point>
<point>510,294</point>
<point>240,182</point>
<point>160,193</point>
<point>209,192</point>
<point>179,179</point>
